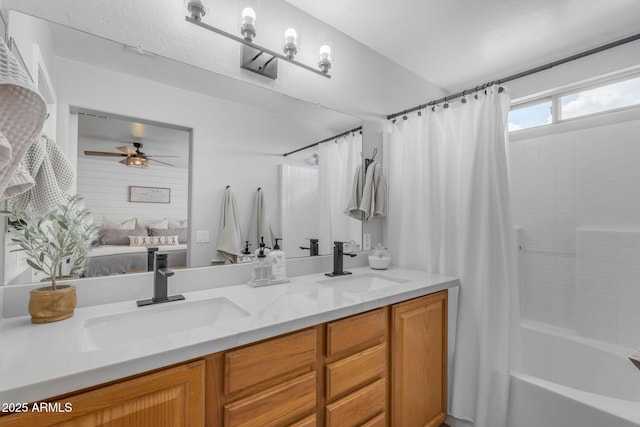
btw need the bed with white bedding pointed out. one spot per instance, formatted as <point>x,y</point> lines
<point>105,260</point>
<point>122,245</point>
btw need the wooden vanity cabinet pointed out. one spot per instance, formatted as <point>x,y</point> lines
<point>172,397</point>
<point>385,367</point>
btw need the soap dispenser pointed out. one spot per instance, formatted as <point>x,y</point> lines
<point>278,264</point>
<point>245,256</point>
<point>262,247</point>
<point>261,269</point>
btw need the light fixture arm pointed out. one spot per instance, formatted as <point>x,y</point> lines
<point>255,46</point>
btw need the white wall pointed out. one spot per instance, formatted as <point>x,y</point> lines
<point>104,184</point>
<point>571,182</point>
<point>232,144</point>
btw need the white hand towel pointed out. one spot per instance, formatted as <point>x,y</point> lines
<point>374,195</point>
<point>22,114</point>
<point>353,209</point>
<point>229,242</point>
<point>53,175</point>
<point>259,226</point>
<point>20,182</point>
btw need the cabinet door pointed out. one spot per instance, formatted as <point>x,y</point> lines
<point>419,361</point>
<point>173,397</point>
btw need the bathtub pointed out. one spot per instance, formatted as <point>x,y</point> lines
<point>570,381</point>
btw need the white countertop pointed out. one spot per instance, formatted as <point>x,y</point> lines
<point>41,361</point>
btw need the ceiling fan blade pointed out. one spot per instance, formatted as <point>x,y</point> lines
<point>164,163</point>
<point>126,149</point>
<point>161,156</point>
<point>103,154</point>
<point>123,161</point>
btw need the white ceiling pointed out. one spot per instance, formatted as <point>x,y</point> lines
<point>98,132</point>
<point>461,43</point>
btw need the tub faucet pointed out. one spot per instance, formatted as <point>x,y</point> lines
<point>338,263</point>
<point>160,282</point>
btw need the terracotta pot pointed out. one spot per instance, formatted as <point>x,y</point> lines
<point>48,305</point>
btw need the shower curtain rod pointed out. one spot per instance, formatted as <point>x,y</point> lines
<point>518,75</point>
<point>359,128</point>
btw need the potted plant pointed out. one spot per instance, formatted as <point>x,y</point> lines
<point>63,235</point>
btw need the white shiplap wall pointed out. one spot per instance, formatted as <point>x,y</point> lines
<point>105,186</point>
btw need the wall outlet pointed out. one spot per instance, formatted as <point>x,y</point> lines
<point>366,242</point>
<point>202,236</point>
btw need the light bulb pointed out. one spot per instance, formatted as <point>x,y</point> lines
<point>290,35</point>
<point>248,15</point>
<point>325,52</point>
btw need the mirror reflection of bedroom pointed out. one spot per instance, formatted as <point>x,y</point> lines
<point>134,177</point>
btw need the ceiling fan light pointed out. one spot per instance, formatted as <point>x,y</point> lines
<point>137,162</point>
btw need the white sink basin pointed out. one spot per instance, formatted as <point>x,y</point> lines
<point>157,320</point>
<point>363,282</point>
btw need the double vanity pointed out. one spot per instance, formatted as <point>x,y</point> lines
<point>365,349</point>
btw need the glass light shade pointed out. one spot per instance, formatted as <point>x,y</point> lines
<point>325,52</point>
<point>290,36</point>
<point>197,8</point>
<point>248,16</point>
<point>291,22</point>
<point>137,162</point>
<point>248,11</point>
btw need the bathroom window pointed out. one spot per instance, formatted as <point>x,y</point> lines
<point>578,102</point>
<point>602,98</point>
<point>530,115</point>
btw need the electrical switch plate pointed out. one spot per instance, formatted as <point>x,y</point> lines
<point>202,236</point>
<point>366,242</point>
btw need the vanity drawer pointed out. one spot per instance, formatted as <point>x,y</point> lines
<point>378,421</point>
<point>309,421</point>
<point>354,371</point>
<point>270,359</point>
<point>358,407</point>
<point>279,405</point>
<point>352,332</point>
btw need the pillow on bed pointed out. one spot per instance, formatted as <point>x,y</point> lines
<point>128,224</point>
<point>162,223</point>
<point>153,240</point>
<point>180,232</point>
<point>116,236</point>
<point>177,223</point>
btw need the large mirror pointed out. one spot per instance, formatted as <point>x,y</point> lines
<point>106,97</point>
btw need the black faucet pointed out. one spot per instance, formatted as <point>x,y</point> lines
<point>313,248</point>
<point>338,264</point>
<point>160,282</point>
<point>151,257</point>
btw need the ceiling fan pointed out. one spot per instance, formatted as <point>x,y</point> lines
<point>134,157</point>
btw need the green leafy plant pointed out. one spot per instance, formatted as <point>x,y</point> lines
<point>50,240</point>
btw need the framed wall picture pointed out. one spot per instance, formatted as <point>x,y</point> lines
<point>149,194</point>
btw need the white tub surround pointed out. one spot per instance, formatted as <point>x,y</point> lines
<point>571,381</point>
<point>40,361</point>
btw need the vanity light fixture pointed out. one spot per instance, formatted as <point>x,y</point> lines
<point>256,58</point>
<point>248,28</point>
<point>325,58</point>
<point>290,43</point>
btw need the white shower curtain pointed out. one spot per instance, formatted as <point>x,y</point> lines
<point>336,168</point>
<point>449,198</point>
